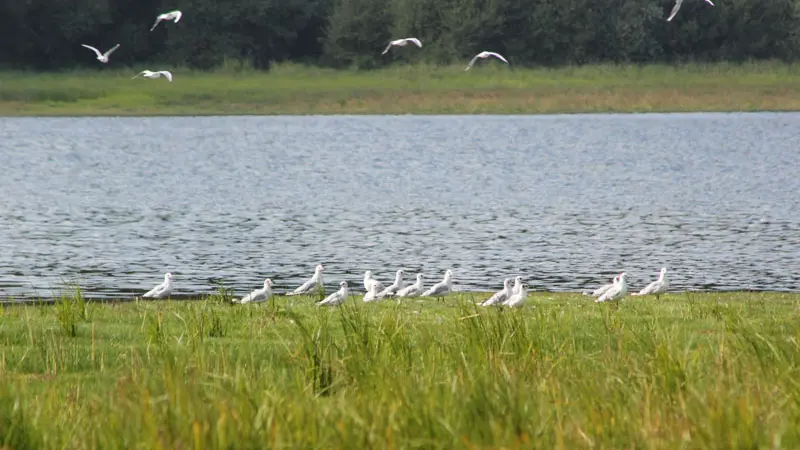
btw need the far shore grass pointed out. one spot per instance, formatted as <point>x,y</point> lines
<point>489,88</point>
<point>688,370</point>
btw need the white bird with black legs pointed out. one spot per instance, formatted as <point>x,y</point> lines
<point>402,43</point>
<point>484,55</point>
<point>313,284</point>
<point>394,287</point>
<point>258,295</point>
<point>677,8</point>
<point>162,290</point>
<point>517,285</point>
<point>518,298</point>
<point>149,74</point>
<point>500,296</point>
<point>369,281</point>
<point>602,289</point>
<point>337,298</point>
<point>414,290</point>
<point>617,291</point>
<point>102,57</point>
<point>172,15</point>
<point>441,288</point>
<point>372,293</point>
<point>658,287</point>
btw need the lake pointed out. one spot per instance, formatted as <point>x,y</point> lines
<point>566,201</point>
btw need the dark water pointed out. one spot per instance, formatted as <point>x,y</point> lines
<point>565,201</point>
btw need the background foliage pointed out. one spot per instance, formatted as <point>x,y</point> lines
<point>46,34</point>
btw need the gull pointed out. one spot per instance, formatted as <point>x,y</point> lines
<point>501,295</point>
<point>414,290</point>
<point>441,288</point>
<point>517,285</point>
<point>259,295</point>
<point>314,283</point>
<point>337,298</point>
<point>677,7</point>
<point>372,293</point>
<point>149,74</point>
<point>176,15</point>
<point>617,291</point>
<point>162,290</point>
<point>484,55</point>
<point>368,281</point>
<point>657,287</point>
<point>518,298</point>
<point>602,289</point>
<point>394,287</point>
<point>402,43</point>
<point>102,57</point>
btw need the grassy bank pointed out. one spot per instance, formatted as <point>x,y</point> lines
<point>690,370</point>
<point>489,88</point>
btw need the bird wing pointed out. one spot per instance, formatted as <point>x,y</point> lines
<point>110,51</point>
<point>166,74</point>
<point>387,48</point>
<point>498,56</point>
<point>475,58</point>
<point>94,49</point>
<point>156,291</point>
<point>140,73</point>
<point>498,297</point>
<point>601,290</point>
<point>675,10</point>
<point>158,19</point>
<point>709,2</point>
<point>649,289</point>
<point>416,41</point>
<point>178,16</point>
<point>306,287</point>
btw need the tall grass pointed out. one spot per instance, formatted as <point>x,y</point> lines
<point>699,371</point>
<point>428,89</point>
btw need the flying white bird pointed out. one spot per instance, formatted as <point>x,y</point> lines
<point>402,43</point>
<point>414,290</point>
<point>368,281</point>
<point>617,291</point>
<point>259,295</point>
<point>172,15</point>
<point>102,57</point>
<point>677,8</point>
<point>484,55</point>
<point>149,74</point>
<point>372,293</point>
<point>657,287</point>
<point>501,295</point>
<point>441,288</point>
<point>337,298</point>
<point>518,298</point>
<point>602,289</point>
<point>314,283</point>
<point>394,287</point>
<point>162,290</point>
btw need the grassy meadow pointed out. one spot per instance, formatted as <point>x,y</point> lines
<point>691,370</point>
<point>489,88</point>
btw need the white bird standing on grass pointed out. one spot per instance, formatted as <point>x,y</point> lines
<point>657,287</point>
<point>172,15</point>
<point>617,291</point>
<point>677,8</point>
<point>402,43</point>
<point>518,298</point>
<point>394,287</point>
<point>314,283</point>
<point>162,290</point>
<point>441,288</point>
<point>337,298</point>
<point>484,55</point>
<point>369,281</point>
<point>500,296</point>
<point>414,290</point>
<point>258,295</point>
<point>602,289</point>
<point>102,57</point>
<point>517,285</point>
<point>149,74</point>
<point>372,293</point>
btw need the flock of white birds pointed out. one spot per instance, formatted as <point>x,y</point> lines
<point>513,294</point>
<point>176,15</point>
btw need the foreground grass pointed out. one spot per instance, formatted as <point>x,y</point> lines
<point>418,89</point>
<point>690,370</point>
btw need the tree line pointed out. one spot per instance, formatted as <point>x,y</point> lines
<point>46,34</point>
